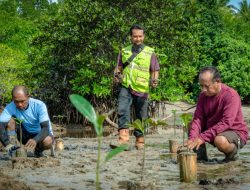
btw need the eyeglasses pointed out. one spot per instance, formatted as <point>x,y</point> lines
<point>205,86</point>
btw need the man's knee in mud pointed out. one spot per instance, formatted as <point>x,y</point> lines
<point>221,143</point>
<point>47,142</point>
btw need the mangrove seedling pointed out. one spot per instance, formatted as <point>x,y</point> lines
<point>59,145</point>
<point>60,121</point>
<point>174,115</point>
<point>186,119</point>
<point>87,110</point>
<point>187,160</point>
<point>19,125</point>
<point>143,125</point>
<point>20,152</point>
<point>173,143</point>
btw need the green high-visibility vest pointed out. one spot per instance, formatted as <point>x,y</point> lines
<point>137,74</point>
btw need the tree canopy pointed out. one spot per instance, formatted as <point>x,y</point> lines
<point>71,46</point>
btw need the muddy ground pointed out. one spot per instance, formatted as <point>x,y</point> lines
<point>74,167</point>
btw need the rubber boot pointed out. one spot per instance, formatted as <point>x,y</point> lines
<point>123,139</point>
<point>232,156</point>
<point>139,143</point>
<point>202,153</point>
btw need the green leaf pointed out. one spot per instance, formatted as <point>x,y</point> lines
<point>100,120</point>
<point>86,109</point>
<point>173,111</point>
<point>186,119</point>
<point>155,123</point>
<point>161,123</point>
<point>18,121</point>
<point>115,151</point>
<point>137,124</point>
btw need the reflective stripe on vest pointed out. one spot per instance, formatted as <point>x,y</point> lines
<point>137,74</point>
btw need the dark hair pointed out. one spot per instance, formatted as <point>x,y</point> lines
<point>213,70</point>
<point>136,26</point>
<point>24,89</point>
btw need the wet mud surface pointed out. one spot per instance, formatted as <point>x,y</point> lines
<point>74,168</point>
<point>8,183</point>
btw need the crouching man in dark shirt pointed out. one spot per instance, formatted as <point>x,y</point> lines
<point>218,118</point>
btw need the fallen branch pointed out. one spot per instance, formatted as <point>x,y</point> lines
<point>188,108</point>
<point>109,121</point>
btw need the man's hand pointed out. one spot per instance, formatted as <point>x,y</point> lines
<point>117,77</point>
<point>31,144</point>
<point>196,143</point>
<point>154,83</point>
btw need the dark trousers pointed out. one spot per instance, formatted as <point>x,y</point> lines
<point>26,136</point>
<point>125,100</point>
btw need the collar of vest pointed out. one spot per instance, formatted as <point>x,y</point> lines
<point>137,48</point>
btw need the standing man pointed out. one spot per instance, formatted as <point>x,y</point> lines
<point>218,118</point>
<point>36,127</point>
<point>137,69</point>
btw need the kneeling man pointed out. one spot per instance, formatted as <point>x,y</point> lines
<point>218,117</point>
<point>37,132</point>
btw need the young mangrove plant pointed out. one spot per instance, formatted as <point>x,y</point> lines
<point>174,115</point>
<point>173,143</point>
<point>186,119</point>
<point>87,110</point>
<point>19,126</point>
<point>59,145</point>
<point>188,159</point>
<point>143,125</point>
<point>60,122</point>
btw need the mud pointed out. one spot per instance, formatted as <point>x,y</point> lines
<point>8,183</point>
<point>74,167</point>
<point>33,163</point>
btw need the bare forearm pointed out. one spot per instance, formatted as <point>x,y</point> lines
<point>154,78</point>
<point>154,75</point>
<point>118,69</point>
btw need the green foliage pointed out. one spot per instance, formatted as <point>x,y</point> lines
<point>186,119</point>
<point>234,63</point>
<point>80,44</point>
<point>88,34</point>
<point>145,124</point>
<point>72,46</point>
<point>19,124</point>
<point>18,121</point>
<point>245,10</point>
<point>13,71</point>
<point>174,116</point>
<point>16,34</point>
